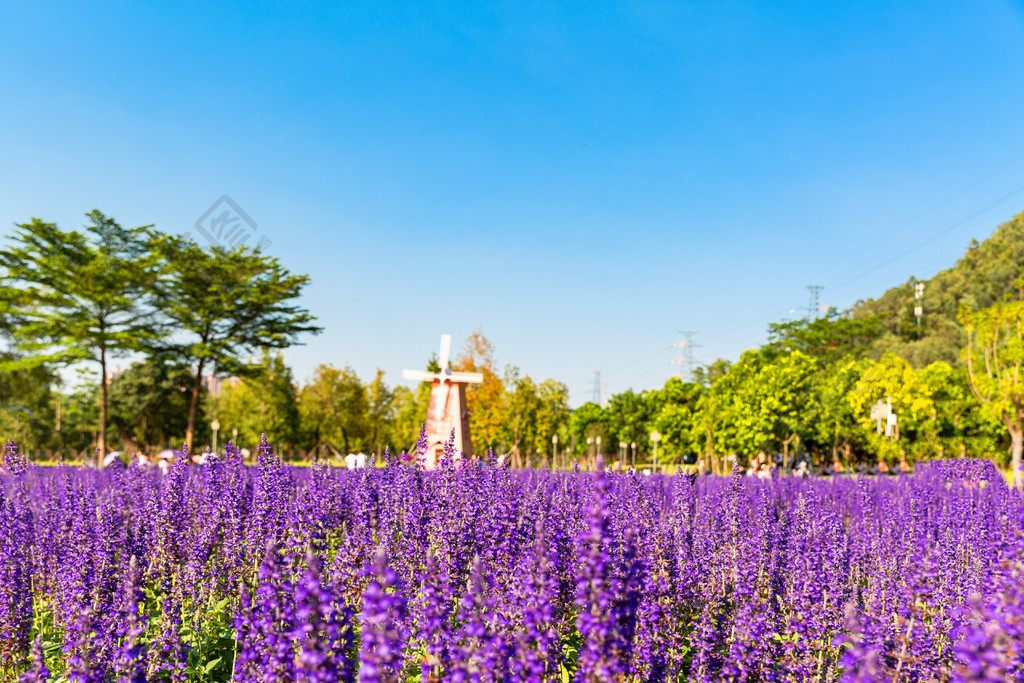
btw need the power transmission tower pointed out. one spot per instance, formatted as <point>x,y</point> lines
<point>814,305</point>
<point>687,360</point>
<point>598,396</point>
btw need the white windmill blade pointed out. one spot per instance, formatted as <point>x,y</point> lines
<point>446,348</point>
<point>419,375</point>
<point>466,377</point>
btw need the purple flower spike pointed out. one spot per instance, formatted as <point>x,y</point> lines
<point>39,673</point>
<point>383,634</point>
<point>13,460</point>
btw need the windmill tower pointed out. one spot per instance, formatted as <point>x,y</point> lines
<point>447,409</point>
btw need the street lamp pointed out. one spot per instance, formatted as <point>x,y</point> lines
<point>597,451</point>
<point>622,454</point>
<point>655,438</point>
<point>215,426</point>
<point>590,442</point>
<point>632,445</point>
<point>554,451</point>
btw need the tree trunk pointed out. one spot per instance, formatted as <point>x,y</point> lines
<point>102,449</point>
<point>785,452</point>
<point>193,406</point>
<point>1017,445</point>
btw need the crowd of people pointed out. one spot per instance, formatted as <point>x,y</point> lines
<point>764,466</point>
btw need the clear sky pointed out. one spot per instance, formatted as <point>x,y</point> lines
<point>580,180</point>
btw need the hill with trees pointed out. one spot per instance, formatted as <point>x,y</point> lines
<point>989,272</point>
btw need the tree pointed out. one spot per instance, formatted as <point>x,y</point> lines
<point>588,421</point>
<point>552,414</point>
<point>149,403</point>
<point>410,409</point>
<point>678,417</point>
<point>766,400</point>
<point>27,403</point>
<point>837,428</point>
<point>79,296</point>
<point>486,400</point>
<point>520,409</point>
<point>380,412</point>
<point>827,339</point>
<point>629,416</point>
<point>995,336</point>
<point>264,402</point>
<point>891,378</point>
<point>334,406</point>
<point>708,375</point>
<point>228,302</point>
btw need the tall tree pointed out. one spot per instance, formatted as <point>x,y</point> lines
<point>677,418</point>
<point>264,402</point>
<point>995,351</point>
<point>79,296</point>
<point>485,401</point>
<point>380,412</point>
<point>334,406</point>
<point>827,339</point>
<point>552,414</point>
<point>228,302</point>
<point>149,403</point>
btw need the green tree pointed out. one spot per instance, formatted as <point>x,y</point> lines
<point>589,421</point>
<point>486,401</point>
<point>380,413</point>
<point>27,404</point>
<point>80,419</point>
<point>76,297</point>
<point>837,428</point>
<point>520,408</point>
<point>552,414</point>
<point>827,339</point>
<point>264,401</point>
<point>892,377</point>
<point>628,416</point>
<point>767,401</point>
<point>334,407</point>
<point>228,303</point>
<point>149,403</point>
<point>994,353</point>
<point>709,374</point>
<point>679,418</point>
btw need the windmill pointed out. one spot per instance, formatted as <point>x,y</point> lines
<point>447,408</point>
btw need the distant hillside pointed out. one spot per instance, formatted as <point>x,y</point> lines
<point>988,272</point>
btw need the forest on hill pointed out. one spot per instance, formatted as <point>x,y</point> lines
<point>990,271</point>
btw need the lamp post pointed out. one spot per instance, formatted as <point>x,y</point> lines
<point>215,426</point>
<point>632,446</point>
<point>655,438</point>
<point>622,454</point>
<point>590,442</point>
<point>554,452</point>
<point>597,450</point>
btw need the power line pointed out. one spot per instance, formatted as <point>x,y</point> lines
<point>640,360</point>
<point>923,240</point>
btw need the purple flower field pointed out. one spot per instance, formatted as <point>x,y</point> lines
<point>477,573</point>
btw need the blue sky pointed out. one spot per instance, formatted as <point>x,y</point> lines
<point>580,180</point>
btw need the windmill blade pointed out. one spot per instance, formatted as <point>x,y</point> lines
<point>446,348</point>
<point>419,375</point>
<point>466,377</point>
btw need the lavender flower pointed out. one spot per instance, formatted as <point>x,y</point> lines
<point>383,634</point>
